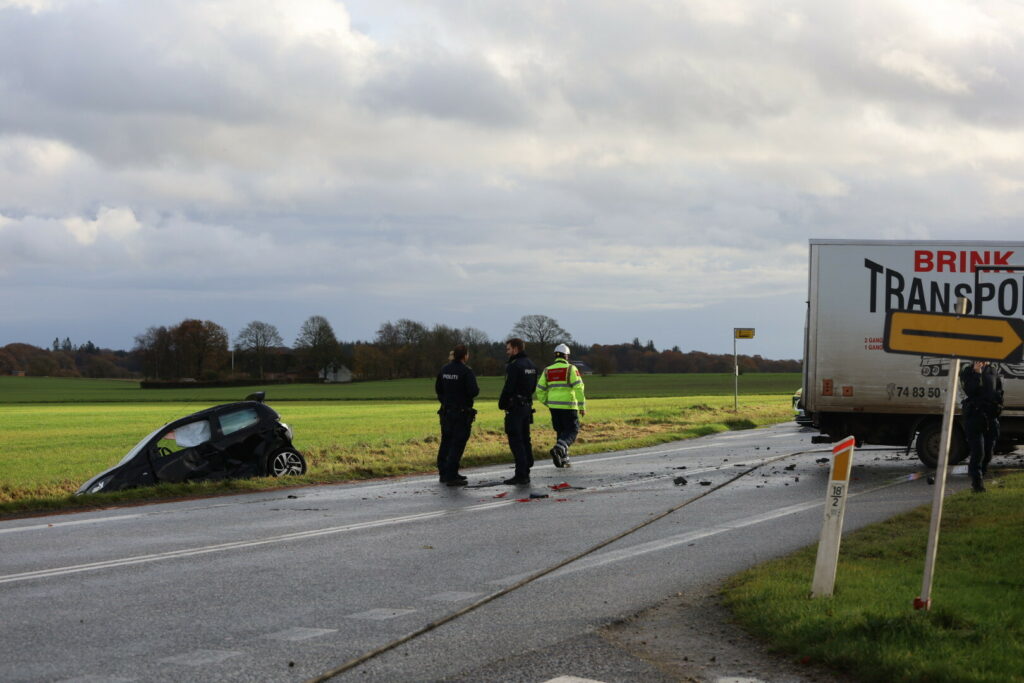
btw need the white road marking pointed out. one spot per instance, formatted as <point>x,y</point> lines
<point>381,613</point>
<point>572,679</point>
<point>298,633</point>
<point>77,522</point>
<point>202,657</point>
<point>189,552</point>
<point>635,455</point>
<point>453,596</point>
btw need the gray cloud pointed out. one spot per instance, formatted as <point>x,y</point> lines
<point>646,164</point>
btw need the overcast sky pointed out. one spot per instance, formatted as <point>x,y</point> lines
<point>647,169</point>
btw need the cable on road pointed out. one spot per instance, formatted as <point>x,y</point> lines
<point>361,659</point>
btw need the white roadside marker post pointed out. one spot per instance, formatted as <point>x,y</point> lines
<point>832,526</point>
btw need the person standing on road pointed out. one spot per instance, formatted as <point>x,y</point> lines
<point>517,401</point>
<point>456,388</point>
<point>982,404</point>
<point>560,388</point>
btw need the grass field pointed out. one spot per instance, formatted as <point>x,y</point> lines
<point>65,390</point>
<point>869,630</point>
<point>49,447</point>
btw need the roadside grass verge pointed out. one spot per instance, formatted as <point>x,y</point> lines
<point>869,629</point>
<point>48,451</point>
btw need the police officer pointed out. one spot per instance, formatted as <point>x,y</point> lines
<point>982,404</point>
<point>517,401</point>
<point>456,388</point>
<point>560,388</point>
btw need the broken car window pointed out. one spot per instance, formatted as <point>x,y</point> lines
<point>238,420</point>
<point>185,436</point>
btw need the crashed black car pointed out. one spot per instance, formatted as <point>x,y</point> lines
<point>235,440</point>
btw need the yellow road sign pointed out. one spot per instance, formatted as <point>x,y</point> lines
<point>952,336</point>
<point>743,332</point>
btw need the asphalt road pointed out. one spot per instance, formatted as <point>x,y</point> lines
<point>288,585</point>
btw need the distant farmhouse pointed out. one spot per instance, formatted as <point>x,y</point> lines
<point>335,374</point>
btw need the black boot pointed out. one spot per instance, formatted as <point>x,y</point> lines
<point>977,484</point>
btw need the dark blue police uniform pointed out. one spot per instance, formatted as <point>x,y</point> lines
<point>981,407</point>
<point>456,388</point>
<point>517,401</point>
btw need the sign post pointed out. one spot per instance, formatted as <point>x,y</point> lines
<point>738,333</point>
<point>953,336</point>
<point>832,526</point>
<point>924,601</point>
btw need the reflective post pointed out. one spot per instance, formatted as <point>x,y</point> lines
<point>832,525</point>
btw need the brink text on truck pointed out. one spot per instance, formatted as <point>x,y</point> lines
<point>891,289</point>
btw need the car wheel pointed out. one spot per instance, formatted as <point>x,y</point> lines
<point>928,444</point>
<point>286,461</point>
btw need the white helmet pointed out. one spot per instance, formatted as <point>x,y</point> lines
<point>562,348</point>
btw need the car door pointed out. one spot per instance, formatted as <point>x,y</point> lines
<point>185,451</point>
<point>241,441</point>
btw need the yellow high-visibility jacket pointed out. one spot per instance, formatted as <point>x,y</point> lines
<point>560,386</point>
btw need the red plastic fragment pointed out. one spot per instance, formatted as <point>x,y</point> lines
<point>559,487</point>
<point>502,495</point>
<point>522,500</point>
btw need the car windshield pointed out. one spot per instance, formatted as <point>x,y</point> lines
<point>138,447</point>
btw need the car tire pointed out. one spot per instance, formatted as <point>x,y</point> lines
<point>286,461</point>
<point>928,440</point>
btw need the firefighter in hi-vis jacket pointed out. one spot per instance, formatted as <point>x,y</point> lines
<point>560,388</point>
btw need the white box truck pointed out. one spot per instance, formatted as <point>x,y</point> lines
<point>851,386</point>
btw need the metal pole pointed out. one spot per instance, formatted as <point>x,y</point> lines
<point>735,376</point>
<point>925,599</point>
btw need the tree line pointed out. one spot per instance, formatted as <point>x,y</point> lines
<point>204,351</point>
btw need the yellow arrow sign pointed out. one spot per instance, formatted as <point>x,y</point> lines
<point>952,336</point>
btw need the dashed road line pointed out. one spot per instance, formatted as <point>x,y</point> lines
<point>202,657</point>
<point>77,522</point>
<point>382,613</point>
<point>299,633</point>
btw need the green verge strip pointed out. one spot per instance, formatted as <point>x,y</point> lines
<point>869,629</point>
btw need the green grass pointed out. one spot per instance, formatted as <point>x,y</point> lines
<point>47,450</point>
<point>869,630</point>
<point>17,390</point>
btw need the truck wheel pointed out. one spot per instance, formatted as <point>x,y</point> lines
<point>928,440</point>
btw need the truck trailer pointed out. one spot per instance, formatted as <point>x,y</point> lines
<point>852,386</point>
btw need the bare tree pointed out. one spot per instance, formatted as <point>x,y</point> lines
<point>258,338</point>
<point>156,350</point>
<point>317,346</point>
<point>543,333</point>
